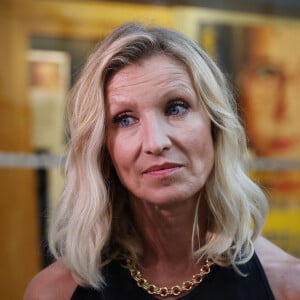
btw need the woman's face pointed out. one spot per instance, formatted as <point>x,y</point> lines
<point>270,92</point>
<point>159,136</point>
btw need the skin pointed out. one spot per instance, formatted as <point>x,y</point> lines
<point>156,133</point>
<point>153,114</point>
<point>269,85</point>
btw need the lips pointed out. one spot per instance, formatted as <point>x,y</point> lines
<point>162,168</point>
<point>282,144</point>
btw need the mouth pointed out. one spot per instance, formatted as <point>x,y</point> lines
<point>162,169</point>
<point>283,144</point>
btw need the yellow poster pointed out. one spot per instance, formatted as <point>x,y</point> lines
<point>263,64</point>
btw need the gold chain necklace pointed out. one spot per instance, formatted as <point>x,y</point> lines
<point>165,291</point>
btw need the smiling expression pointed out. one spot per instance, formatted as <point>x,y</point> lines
<point>158,134</point>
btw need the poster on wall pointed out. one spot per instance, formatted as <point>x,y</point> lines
<point>49,81</point>
<point>262,61</point>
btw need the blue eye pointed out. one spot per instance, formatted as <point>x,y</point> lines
<point>124,120</point>
<point>176,108</point>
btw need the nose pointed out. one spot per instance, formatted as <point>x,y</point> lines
<point>156,136</point>
<point>280,110</point>
<point>287,87</point>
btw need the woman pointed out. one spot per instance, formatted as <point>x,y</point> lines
<point>156,199</point>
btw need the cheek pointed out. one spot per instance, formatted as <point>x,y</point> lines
<point>257,96</point>
<point>114,152</point>
<point>202,145</point>
<point>207,153</point>
<point>121,154</point>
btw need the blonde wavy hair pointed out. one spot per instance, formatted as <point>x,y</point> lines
<point>92,223</point>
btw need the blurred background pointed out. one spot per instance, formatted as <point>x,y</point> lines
<point>45,43</point>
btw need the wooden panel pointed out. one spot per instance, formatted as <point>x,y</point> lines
<point>89,19</point>
<point>19,230</point>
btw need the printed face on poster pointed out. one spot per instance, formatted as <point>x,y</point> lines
<point>264,63</point>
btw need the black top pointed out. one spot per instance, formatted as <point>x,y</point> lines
<point>220,283</point>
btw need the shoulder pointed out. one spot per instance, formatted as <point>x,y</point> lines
<point>54,282</point>
<point>282,270</point>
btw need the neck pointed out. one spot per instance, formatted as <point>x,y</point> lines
<point>167,230</point>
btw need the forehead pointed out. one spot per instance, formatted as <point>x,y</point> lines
<point>275,41</point>
<point>159,71</point>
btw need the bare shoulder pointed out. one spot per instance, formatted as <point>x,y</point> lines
<point>282,269</point>
<point>54,282</point>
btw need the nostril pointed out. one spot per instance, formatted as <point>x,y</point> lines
<point>156,135</point>
<point>157,145</point>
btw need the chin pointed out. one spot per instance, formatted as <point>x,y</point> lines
<point>168,199</point>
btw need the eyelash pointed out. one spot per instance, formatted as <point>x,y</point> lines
<point>121,117</point>
<point>174,103</point>
<point>184,107</point>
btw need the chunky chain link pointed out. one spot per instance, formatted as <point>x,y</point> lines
<point>175,290</point>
